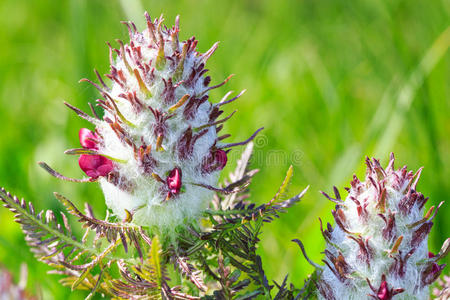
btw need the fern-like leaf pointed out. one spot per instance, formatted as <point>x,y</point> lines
<point>144,281</point>
<point>111,231</point>
<point>234,234</point>
<point>190,272</point>
<point>50,241</point>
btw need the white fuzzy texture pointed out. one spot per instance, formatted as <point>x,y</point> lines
<point>145,199</point>
<point>356,286</point>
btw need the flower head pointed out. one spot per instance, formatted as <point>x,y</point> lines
<point>156,151</point>
<point>378,247</point>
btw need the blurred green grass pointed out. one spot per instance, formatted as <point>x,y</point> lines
<point>331,82</point>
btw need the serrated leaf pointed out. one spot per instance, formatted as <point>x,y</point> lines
<point>71,208</point>
<point>47,240</point>
<point>103,228</point>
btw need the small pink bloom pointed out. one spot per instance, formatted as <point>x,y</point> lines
<point>174,181</point>
<point>88,139</point>
<point>95,165</point>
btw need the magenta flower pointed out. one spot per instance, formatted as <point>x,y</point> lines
<point>95,165</point>
<point>88,139</point>
<point>174,181</point>
<point>383,292</point>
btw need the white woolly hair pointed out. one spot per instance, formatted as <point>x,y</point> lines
<point>145,200</point>
<point>357,287</point>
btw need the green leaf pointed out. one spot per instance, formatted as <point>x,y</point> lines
<point>97,284</point>
<point>25,215</point>
<point>249,295</point>
<point>81,278</point>
<point>155,259</point>
<point>283,188</point>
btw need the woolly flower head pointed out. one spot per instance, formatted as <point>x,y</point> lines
<point>156,151</point>
<point>378,248</point>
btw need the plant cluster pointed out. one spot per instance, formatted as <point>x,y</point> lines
<point>173,232</point>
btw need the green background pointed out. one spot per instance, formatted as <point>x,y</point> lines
<point>331,82</point>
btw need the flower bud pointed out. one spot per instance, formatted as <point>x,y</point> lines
<point>216,160</point>
<point>378,247</point>
<point>174,181</point>
<point>88,139</point>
